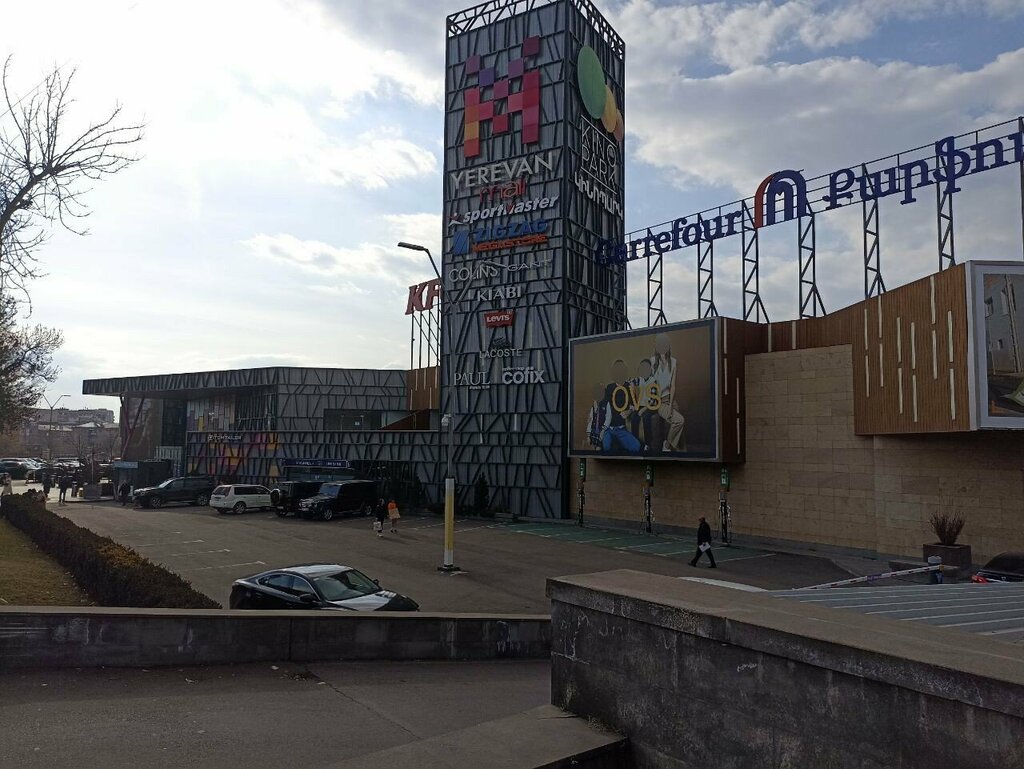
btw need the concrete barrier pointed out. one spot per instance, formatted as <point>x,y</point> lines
<point>696,675</point>
<point>108,637</point>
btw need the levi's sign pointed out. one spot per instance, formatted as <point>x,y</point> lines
<point>499,318</point>
<point>786,195</point>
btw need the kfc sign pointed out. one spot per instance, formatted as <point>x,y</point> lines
<point>422,296</point>
<point>499,318</point>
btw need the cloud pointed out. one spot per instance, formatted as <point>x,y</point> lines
<point>372,163</point>
<point>378,261</point>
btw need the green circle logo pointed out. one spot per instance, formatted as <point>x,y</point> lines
<point>590,77</point>
<point>597,96</point>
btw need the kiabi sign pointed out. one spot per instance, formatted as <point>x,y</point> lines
<point>783,196</point>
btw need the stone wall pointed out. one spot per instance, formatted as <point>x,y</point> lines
<point>699,676</point>
<point>56,637</point>
<point>809,479</point>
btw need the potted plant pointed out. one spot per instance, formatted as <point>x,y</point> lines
<point>947,528</point>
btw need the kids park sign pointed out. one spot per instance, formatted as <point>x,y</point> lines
<point>787,195</point>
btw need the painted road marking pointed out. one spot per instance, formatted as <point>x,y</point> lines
<point>227,566</point>
<point>197,552</point>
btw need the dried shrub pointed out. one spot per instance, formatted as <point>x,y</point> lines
<point>947,527</point>
<point>112,574</point>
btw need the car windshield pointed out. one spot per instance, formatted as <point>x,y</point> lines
<point>330,489</point>
<point>345,584</point>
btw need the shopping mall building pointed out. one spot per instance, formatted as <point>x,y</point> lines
<point>844,430</point>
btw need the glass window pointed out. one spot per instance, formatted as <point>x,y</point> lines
<point>281,582</point>
<point>301,587</point>
<point>260,490</point>
<point>348,419</point>
<point>345,584</point>
<point>222,490</point>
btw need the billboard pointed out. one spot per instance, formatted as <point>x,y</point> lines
<point>998,339</point>
<point>647,394</point>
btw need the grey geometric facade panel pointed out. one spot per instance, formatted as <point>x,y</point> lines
<point>532,182</point>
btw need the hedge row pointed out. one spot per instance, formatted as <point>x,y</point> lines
<point>112,575</point>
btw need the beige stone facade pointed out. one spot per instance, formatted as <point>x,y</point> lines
<point>809,479</point>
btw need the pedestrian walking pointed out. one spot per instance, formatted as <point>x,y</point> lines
<point>63,484</point>
<point>74,484</point>
<point>47,485</point>
<point>703,543</point>
<point>123,492</point>
<point>393,515</point>
<point>8,485</point>
<point>381,514</point>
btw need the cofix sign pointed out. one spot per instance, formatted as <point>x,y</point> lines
<point>499,318</point>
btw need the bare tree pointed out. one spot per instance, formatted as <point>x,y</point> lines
<point>46,167</point>
<point>26,364</point>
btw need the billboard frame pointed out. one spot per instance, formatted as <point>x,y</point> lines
<point>715,326</point>
<point>977,350</point>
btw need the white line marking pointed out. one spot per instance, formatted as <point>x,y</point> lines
<point>197,552</point>
<point>162,544</point>
<point>227,566</point>
<point>747,557</point>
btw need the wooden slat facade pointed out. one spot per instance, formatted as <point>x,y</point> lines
<point>910,358</point>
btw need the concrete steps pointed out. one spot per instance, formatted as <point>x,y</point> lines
<point>542,738</point>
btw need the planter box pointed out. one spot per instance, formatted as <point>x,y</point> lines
<point>951,555</point>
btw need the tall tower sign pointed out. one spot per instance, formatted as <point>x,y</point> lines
<point>533,182</point>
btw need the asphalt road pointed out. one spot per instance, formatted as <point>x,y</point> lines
<point>264,716</point>
<point>504,568</point>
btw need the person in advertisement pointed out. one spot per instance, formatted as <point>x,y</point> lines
<point>663,367</point>
<point>596,417</point>
<point>615,434</point>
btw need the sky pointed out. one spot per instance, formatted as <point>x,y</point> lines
<point>290,145</point>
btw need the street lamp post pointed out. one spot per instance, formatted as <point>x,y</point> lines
<point>49,433</point>
<point>448,425</point>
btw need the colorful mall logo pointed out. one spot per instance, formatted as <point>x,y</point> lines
<point>596,94</point>
<point>502,101</point>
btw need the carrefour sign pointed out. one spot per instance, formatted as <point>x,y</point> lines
<point>785,195</point>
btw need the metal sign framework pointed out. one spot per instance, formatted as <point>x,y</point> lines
<point>811,303</point>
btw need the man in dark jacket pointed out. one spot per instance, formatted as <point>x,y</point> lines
<point>703,543</point>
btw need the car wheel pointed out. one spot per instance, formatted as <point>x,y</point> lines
<point>281,513</point>
<point>365,510</point>
<point>327,514</point>
<point>239,508</point>
<point>155,501</point>
<point>203,500</point>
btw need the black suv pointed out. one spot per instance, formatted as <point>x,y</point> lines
<point>287,494</point>
<point>340,498</point>
<point>192,490</point>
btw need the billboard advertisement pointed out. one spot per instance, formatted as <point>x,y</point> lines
<point>998,328</point>
<point>649,394</point>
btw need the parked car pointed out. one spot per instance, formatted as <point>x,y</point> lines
<point>1005,567</point>
<point>316,586</point>
<point>287,495</point>
<point>193,490</point>
<point>238,498</point>
<point>18,468</point>
<point>340,498</point>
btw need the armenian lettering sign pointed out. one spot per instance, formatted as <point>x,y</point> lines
<point>786,195</point>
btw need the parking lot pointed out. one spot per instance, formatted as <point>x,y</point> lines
<point>504,566</point>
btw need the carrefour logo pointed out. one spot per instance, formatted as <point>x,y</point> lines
<point>596,94</point>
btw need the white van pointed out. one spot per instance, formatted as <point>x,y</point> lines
<point>239,497</point>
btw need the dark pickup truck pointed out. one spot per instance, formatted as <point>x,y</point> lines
<point>338,498</point>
